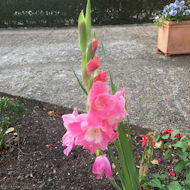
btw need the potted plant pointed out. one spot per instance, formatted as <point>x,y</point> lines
<point>174,29</point>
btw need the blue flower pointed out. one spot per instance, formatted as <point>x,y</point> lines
<point>182,3</point>
<point>176,2</point>
<point>164,11</point>
<point>172,6</point>
<point>187,12</point>
<point>173,12</point>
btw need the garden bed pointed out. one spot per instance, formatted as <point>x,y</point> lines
<point>38,162</point>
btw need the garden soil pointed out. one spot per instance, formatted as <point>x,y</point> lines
<point>37,162</point>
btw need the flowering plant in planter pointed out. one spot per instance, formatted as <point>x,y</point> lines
<point>173,30</point>
<point>177,11</point>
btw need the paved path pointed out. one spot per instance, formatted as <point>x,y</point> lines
<point>36,63</point>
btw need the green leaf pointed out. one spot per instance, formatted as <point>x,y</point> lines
<point>174,185</point>
<point>116,164</point>
<point>182,155</point>
<point>155,183</point>
<point>187,163</point>
<point>159,176</point>
<point>179,166</point>
<point>166,145</point>
<point>168,153</point>
<point>156,138</point>
<point>88,20</point>
<point>112,84</point>
<point>181,144</point>
<point>175,132</point>
<point>188,176</point>
<point>165,136</point>
<point>80,83</point>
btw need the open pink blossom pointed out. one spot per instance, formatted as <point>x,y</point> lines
<point>96,129</point>
<point>94,46</point>
<point>93,65</point>
<point>70,119</point>
<point>92,134</point>
<point>102,76</point>
<point>102,166</point>
<point>105,106</point>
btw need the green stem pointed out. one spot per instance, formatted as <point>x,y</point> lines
<point>113,182</point>
<point>116,165</point>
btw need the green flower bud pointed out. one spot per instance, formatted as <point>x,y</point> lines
<point>82,33</point>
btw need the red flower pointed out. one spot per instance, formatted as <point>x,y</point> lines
<point>58,114</point>
<point>94,46</point>
<point>172,173</point>
<point>93,65</point>
<point>142,188</point>
<point>160,159</point>
<point>145,139</point>
<point>102,76</point>
<point>27,122</point>
<point>168,131</point>
<point>12,101</point>
<point>178,136</point>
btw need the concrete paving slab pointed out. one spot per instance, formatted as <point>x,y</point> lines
<point>36,64</point>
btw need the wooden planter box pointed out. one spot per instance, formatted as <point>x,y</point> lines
<point>174,38</point>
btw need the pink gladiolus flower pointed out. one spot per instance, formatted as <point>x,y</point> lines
<point>172,173</point>
<point>145,139</point>
<point>102,166</point>
<point>96,129</point>
<point>87,131</point>
<point>188,146</point>
<point>94,46</point>
<point>93,65</point>
<point>103,76</point>
<point>105,106</point>
<point>168,131</point>
<point>92,134</point>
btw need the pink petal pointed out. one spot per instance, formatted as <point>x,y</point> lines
<point>102,166</point>
<point>102,76</point>
<point>93,65</point>
<point>69,141</point>
<point>94,46</point>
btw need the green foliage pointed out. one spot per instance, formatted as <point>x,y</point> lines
<point>175,143</point>
<point>10,110</point>
<point>59,13</point>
